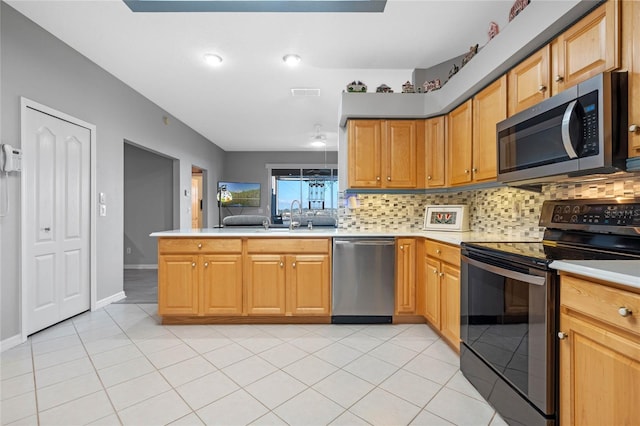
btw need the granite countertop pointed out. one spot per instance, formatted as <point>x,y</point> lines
<point>329,232</point>
<point>623,272</point>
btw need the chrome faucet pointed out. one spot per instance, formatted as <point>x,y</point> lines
<point>292,224</point>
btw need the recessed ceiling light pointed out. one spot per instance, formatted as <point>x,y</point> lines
<point>213,60</point>
<point>291,60</point>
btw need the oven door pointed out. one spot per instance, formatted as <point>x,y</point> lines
<point>508,321</point>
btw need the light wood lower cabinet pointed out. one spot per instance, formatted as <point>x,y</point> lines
<point>599,354</point>
<point>255,277</point>
<point>405,276</point>
<point>441,278</point>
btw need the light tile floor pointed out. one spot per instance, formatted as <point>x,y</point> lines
<point>118,365</point>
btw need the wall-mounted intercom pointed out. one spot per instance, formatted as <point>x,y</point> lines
<point>12,159</point>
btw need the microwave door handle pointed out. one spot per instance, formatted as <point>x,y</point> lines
<point>566,136</point>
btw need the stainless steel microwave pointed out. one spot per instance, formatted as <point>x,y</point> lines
<point>579,131</point>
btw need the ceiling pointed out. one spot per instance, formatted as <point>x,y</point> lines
<point>245,104</point>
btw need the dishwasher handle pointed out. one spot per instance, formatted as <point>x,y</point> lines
<point>365,242</point>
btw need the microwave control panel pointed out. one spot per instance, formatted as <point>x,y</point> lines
<point>598,214</point>
<point>590,130</point>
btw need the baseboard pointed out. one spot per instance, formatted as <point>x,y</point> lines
<point>11,342</point>
<point>109,300</point>
<point>150,266</point>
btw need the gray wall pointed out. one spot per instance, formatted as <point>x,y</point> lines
<point>40,67</point>
<point>251,167</point>
<point>148,203</point>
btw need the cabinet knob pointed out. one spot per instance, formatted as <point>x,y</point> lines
<point>378,178</point>
<point>542,88</point>
<point>435,271</point>
<point>206,264</point>
<point>624,312</point>
<point>466,171</point>
<point>441,274</point>
<point>634,128</point>
<point>293,265</point>
<point>438,251</point>
<point>562,335</point>
<point>389,178</point>
<point>401,247</point>
<point>193,264</point>
<point>281,264</point>
<point>199,245</point>
<point>429,177</point>
<point>474,170</point>
<point>559,78</point>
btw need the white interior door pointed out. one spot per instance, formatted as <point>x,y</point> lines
<point>56,175</point>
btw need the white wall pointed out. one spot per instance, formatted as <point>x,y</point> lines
<point>40,67</point>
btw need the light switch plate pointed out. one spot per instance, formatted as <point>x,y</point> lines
<point>103,198</point>
<point>103,209</point>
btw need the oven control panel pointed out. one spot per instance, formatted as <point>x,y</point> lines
<point>614,214</point>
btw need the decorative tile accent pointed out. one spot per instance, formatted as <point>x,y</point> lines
<point>507,210</point>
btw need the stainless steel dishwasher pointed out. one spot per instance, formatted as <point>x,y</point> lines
<point>363,280</point>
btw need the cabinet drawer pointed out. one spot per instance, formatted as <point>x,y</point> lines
<point>601,302</point>
<point>444,252</point>
<point>288,245</point>
<point>200,245</point>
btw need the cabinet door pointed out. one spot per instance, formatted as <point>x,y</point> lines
<point>631,61</point>
<point>450,304</point>
<point>432,291</point>
<point>222,284</point>
<point>588,48</point>
<point>529,81</point>
<point>434,133</point>
<point>459,140</point>
<point>364,153</point>
<point>265,284</point>
<point>489,108</point>
<point>178,280</point>
<point>400,154</point>
<point>405,276</point>
<point>308,284</point>
<point>599,375</point>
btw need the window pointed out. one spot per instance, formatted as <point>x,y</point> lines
<point>315,187</point>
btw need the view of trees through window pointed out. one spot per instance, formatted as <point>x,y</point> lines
<point>315,188</point>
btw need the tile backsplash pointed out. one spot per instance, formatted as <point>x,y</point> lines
<point>507,210</point>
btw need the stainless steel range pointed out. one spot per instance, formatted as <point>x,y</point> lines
<point>509,302</point>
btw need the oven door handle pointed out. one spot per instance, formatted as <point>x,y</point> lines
<point>531,279</point>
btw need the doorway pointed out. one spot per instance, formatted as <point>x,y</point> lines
<point>198,198</point>
<point>58,217</point>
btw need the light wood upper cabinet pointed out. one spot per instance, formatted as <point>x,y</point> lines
<point>435,149</point>
<point>599,354</point>
<point>382,153</point>
<point>399,156</point>
<point>459,144</point>
<point>365,155</point>
<point>589,47</point>
<point>529,81</point>
<point>489,108</point>
<point>309,284</point>
<point>631,62</point>
<point>405,276</point>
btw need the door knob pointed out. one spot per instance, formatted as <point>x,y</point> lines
<point>542,88</point>
<point>562,335</point>
<point>624,312</point>
<point>559,78</point>
<point>634,128</point>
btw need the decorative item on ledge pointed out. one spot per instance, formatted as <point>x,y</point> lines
<point>383,88</point>
<point>431,85</point>
<point>408,87</point>
<point>493,30</point>
<point>518,6</point>
<point>470,54</point>
<point>453,71</point>
<point>356,87</point>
